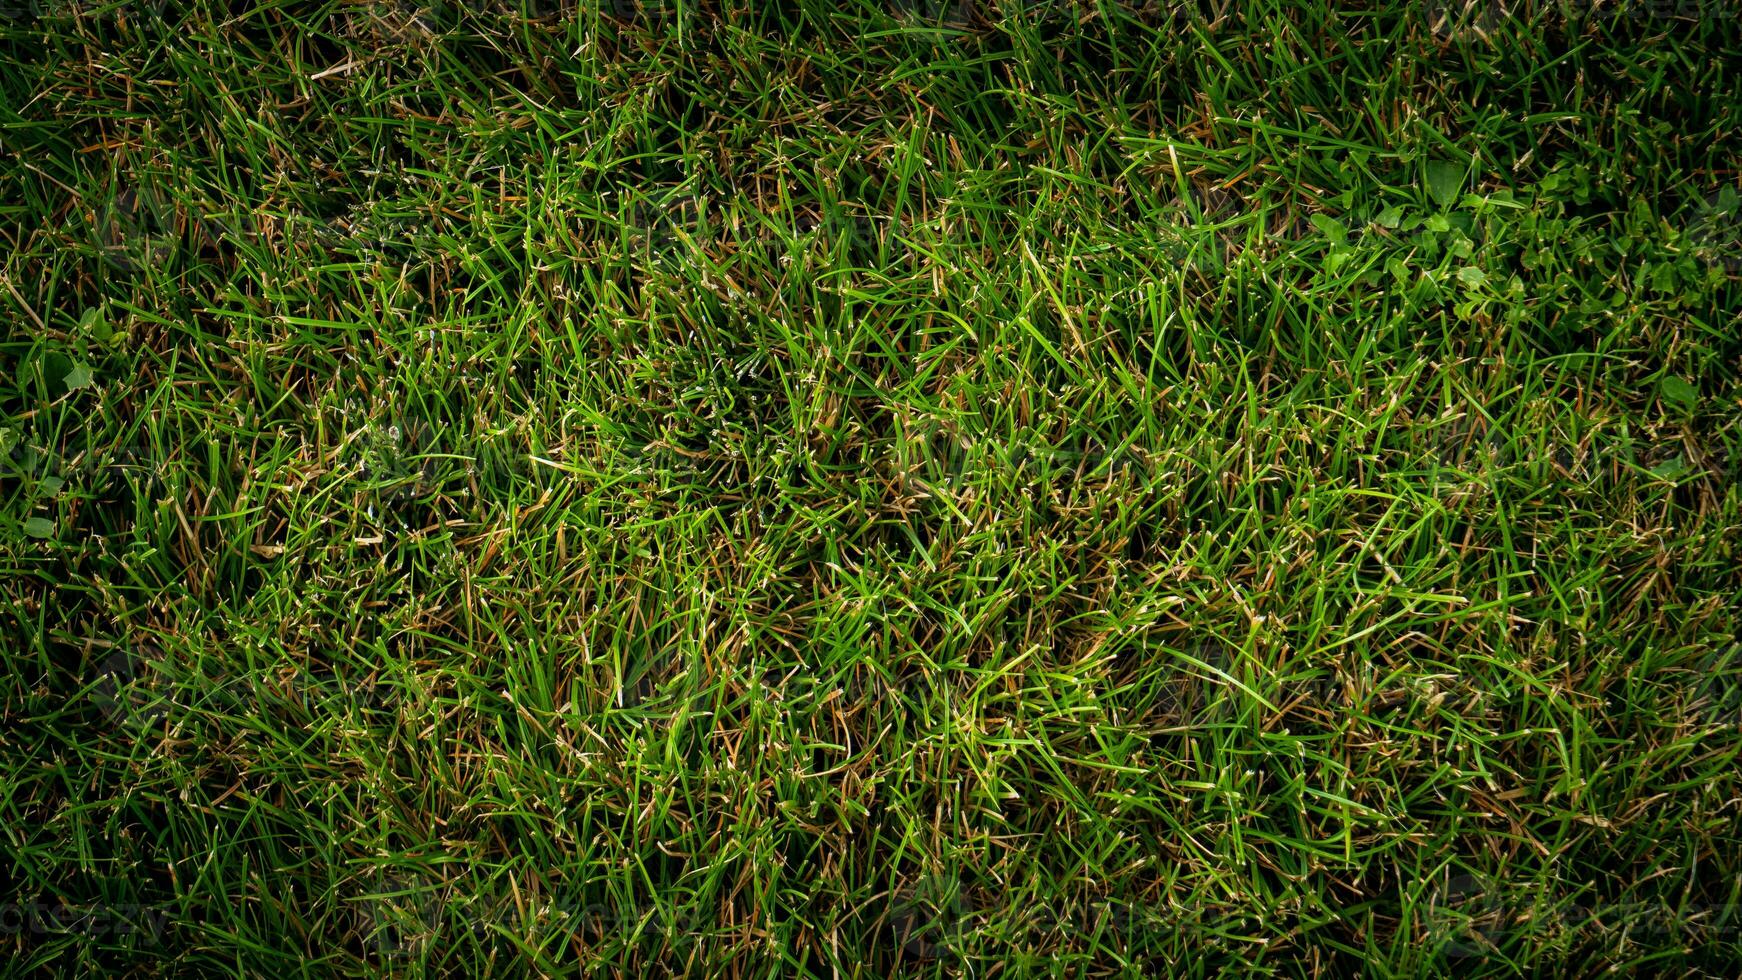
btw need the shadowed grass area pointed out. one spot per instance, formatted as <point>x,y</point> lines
<point>872,489</point>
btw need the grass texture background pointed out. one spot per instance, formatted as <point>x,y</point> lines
<point>870,489</point>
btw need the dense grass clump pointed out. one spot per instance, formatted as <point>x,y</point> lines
<point>987,487</point>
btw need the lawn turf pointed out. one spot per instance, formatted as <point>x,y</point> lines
<point>896,488</point>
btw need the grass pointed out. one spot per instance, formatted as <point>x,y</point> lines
<point>872,488</point>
